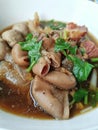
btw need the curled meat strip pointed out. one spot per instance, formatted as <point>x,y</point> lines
<point>61,80</point>
<point>75,32</point>
<point>54,58</point>
<point>20,57</point>
<point>42,67</point>
<point>91,49</point>
<point>53,101</point>
<point>48,43</point>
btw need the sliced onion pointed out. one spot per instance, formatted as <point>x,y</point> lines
<point>93,81</point>
<point>86,109</point>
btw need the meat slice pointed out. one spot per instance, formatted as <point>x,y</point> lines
<point>54,101</point>
<point>61,80</point>
<point>75,32</point>
<point>3,49</point>
<point>21,27</point>
<point>55,59</point>
<point>42,67</point>
<point>91,49</point>
<point>12,37</point>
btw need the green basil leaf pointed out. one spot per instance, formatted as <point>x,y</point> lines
<point>29,36</point>
<point>61,45</point>
<point>73,50</point>
<point>33,47</point>
<point>80,95</point>
<point>81,69</point>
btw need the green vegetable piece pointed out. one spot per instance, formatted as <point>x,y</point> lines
<point>81,69</point>
<point>61,45</point>
<point>73,50</point>
<point>94,59</point>
<point>33,47</point>
<point>93,98</point>
<point>28,45</point>
<point>80,95</point>
<point>29,36</point>
<point>86,99</point>
<point>82,50</point>
<point>34,55</point>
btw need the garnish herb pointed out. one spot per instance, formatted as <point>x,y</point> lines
<point>82,50</point>
<point>80,95</point>
<point>55,25</point>
<point>87,97</point>
<point>81,69</point>
<point>33,47</point>
<point>94,59</point>
<point>61,45</point>
<point>93,98</point>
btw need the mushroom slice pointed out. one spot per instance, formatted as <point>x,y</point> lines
<point>54,101</point>
<point>61,80</point>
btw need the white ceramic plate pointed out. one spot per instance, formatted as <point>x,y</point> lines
<point>82,12</point>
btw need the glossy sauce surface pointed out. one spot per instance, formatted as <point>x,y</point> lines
<point>16,103</point>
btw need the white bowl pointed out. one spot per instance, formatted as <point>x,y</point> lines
<point>82,12</point>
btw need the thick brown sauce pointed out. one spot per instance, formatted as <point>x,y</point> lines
<point>18,104</point>
<point>12,102</point>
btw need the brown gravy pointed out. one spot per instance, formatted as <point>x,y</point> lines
<point>18,104</point>
<point>12,102</point>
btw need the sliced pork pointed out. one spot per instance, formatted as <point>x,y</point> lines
<point>12,37</point>
<point>61,80</point>
<point>75,32</point>
<point>54,101</point>
<point>91,49</point>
